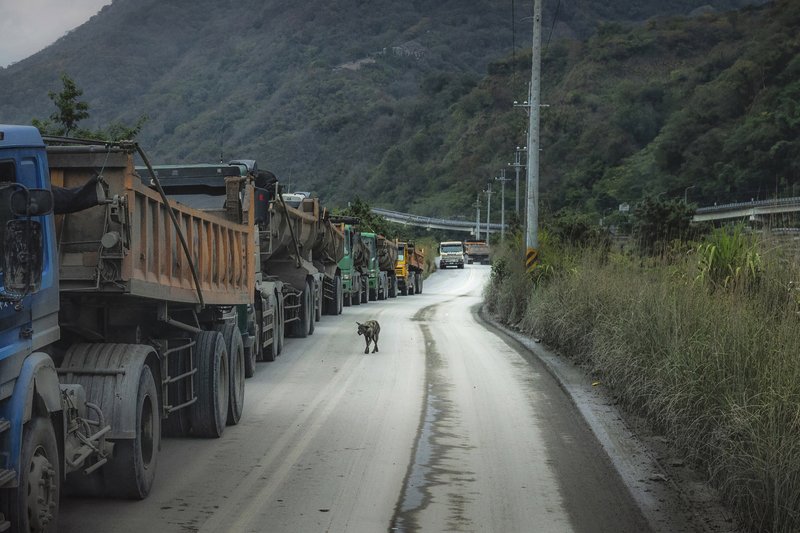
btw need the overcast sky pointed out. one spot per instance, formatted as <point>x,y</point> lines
<point>27,26</point>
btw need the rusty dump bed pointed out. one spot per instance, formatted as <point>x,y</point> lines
<point>414,258</point>
<point>131,247</point>
<point>387,254</point>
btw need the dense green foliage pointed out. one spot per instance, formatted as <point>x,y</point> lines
<point>710,102</point>
<point>705,108</point>
<point>656,224</point>
<point>308,90</point>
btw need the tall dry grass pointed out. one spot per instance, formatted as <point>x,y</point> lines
<point>716,366</point>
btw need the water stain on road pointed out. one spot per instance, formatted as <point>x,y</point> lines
<point>426,468</point>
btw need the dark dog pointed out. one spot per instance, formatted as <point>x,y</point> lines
<point>370,329</point>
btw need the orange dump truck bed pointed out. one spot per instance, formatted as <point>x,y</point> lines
<point>131,246</point>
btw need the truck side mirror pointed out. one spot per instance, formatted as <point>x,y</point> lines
<point>262,199</point>
<point>22,268</point>
<point>40,202</point>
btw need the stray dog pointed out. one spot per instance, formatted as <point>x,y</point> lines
<point>370,329</point>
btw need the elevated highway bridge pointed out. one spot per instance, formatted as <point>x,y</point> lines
<point>434,223</point>
<point>756,211</point>
<point>759,211</point>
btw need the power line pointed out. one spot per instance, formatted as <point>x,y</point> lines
<point>551,28</point>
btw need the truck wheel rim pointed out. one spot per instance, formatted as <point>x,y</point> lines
<point>41,491</point>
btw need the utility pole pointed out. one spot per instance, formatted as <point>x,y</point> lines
<point>502,179</point>
<point>478,219</point>
<point>489,194</point>
<point>518,165</point>
<point>532,190</point>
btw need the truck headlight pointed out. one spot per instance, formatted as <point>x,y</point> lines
<point>345,276</point>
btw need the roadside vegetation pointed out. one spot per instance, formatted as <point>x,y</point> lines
<point>698,334</point>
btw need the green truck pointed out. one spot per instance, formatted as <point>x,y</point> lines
<point>353,265</point>
<point>377,280</point>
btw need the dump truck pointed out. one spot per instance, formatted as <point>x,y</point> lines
<point>477,252</point>
<point>410,265</point>
<point>297,248</point>
<point>327,251</point>
<point>353,262</point>
<point>387,262</point>
<point>451,253</point>
<point>377,278</point>
<point>119,316</point>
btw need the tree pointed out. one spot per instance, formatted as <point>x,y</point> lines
<point>369,221</point>
<point>657,223</point>
<point>70,112</point>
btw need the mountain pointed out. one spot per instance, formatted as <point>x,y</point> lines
<point>704,108</point>
<point>323,93</point>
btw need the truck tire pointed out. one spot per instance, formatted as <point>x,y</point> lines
<point>333,304</point>
<point>33,506</point>
<point>255,353</point>
<point>235,347</point>
<point>373,294</point>
<point>461,266</point>
<point>364,290</point>
<point>412,280</point>
<point>300,327</point>
<point>355,294</point>
<point>251,355</point>
<point>271,352</point>
<point>210,412</point>
<point>404,290</point>
<point>315,307</point>
<point>178,423</point>
<point>280,332</point>
<point>418,283</point>
<point>339,296</point>
<point>132,469</point>
<point>393,287</point>
<point>318,303</point>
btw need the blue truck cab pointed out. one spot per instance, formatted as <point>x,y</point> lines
<point>31,419</point>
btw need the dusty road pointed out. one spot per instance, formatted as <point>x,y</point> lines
<point>447,428</point>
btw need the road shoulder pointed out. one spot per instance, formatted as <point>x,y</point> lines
<point>671,495</point>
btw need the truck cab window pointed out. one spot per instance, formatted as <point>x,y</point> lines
<point>7,174</point>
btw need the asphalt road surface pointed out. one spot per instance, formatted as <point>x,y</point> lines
<point>446,428</point>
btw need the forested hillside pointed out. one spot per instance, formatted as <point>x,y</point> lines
<point>711,103</point>
<point>385,99</point>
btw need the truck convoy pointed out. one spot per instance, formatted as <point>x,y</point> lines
<point>410,265</point>
<point>298,249</point>
<point>120,308</point>
<point>125,310</point>
<point>368,265</point>
<point>451,253</point>
<point>137,300</point>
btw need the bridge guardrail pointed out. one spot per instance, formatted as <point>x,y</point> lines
<point>408,218</point>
